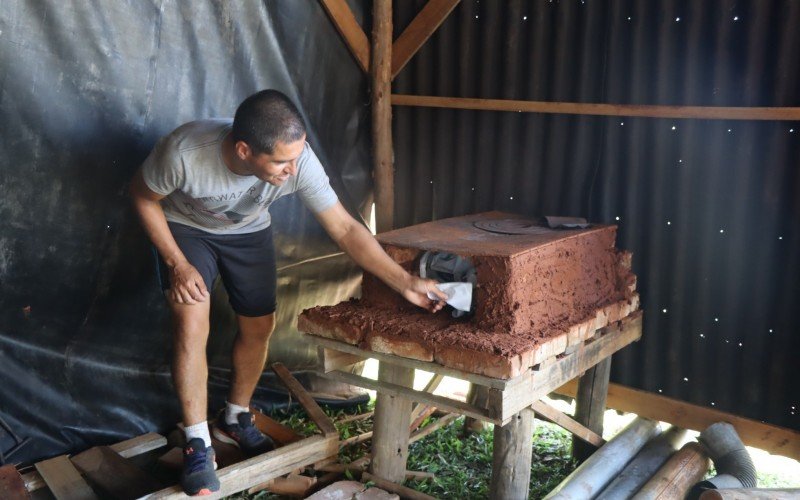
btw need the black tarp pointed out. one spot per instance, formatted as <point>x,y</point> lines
<point>86,88</point>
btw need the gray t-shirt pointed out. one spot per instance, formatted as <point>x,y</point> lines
<point>186,166</point>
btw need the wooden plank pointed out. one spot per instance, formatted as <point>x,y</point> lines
<point>576,108</point>
<point>281,434</point>
<point>140,444</point>
<point>392,413</point>
<point>418,31</point>
<point>556,374</point>
<point>393,487</point>
<point>413,363</point>
<point>262,468</point>
<point>113,475</point>
<point>12,487</point>
<point>540,382</point>
<point>772,438</point>
<point>431,428</point>
<point>346,24</point>
<point>590,405</point>
<point>418,409</point>
<point>441,402</point>
<point>544,410</point>
<point>381,100</point>
<point>331,359</point>
<point>511,457</point>
<point>312,408</point>
<point>64,480</point>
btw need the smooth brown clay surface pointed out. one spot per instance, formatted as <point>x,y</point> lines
<point>536,293</point>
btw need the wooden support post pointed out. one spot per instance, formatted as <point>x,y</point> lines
<point>390,433</point>
<point>590,405</point>
<point>511,461</point>
<point>479,396</point>
<point>381,75</point>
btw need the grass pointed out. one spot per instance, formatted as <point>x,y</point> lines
<point>462,465</point>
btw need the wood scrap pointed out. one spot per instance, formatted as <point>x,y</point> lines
<point>293,485</point>
<point>113,475</point>
<point>64,480</point>
<point>354,418</point>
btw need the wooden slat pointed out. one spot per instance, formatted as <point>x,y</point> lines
<point>64,480</point>
<point>544,410</point>
<point>381,101</point>
<point>577,108</point>
<point>412,363</point>
<point>354,37</point>
<point>431,428</point>
<point>264,467</point>
<point>279,433</point>
<point>418,31</point>
<point>418,409</point>
<point>330,359</point>
<point>312,408</point>
<point>771,438</point>
<point>140,444</point>
<point>113,475</point>
<point>420,396</point>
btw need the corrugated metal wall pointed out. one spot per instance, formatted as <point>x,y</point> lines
<point>709,208</point>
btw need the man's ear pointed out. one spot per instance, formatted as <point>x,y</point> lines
<point>243,151</point>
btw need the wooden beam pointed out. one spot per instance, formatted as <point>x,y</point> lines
<point>262,468</point>
<point>381,76</point>
<point>511,457</point>
<point>392,413</point>
<point>347,26</point>
<point>417,33</point>
<point>590,405</point>
<point>113,475</point>
<point>306,401</point>
<point>577,108</point>
<point>771,438</point>
<point>547,412</point>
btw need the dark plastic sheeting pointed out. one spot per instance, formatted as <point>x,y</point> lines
<point>710,209</point>
<point>86,88</point>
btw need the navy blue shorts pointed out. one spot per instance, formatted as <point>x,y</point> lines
<point>246,263</point>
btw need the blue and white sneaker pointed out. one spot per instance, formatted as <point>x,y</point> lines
<point>198,476</point>
<point>243,434</point>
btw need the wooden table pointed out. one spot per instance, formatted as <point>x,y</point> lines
<point>508,405</point>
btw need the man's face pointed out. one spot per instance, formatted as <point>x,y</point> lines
<point>278,166</point>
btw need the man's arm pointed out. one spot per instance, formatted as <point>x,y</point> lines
<point>186,283</point>
<point>363,248</point>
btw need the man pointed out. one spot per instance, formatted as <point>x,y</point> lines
<point>203,196</point>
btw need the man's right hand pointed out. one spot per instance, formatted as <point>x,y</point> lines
<point>186,285</point>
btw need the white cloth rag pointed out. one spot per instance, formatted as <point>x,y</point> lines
<point>459,295</point>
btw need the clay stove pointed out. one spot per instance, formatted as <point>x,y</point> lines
<point>538,291</point>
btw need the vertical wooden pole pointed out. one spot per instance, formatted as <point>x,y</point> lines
<point>390,432</point>
<point>590,405</point>
<point>381,75</point>
<point>511,457</point>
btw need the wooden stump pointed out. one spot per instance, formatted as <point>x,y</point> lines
<point>390,432</point>
<point>511,461</point>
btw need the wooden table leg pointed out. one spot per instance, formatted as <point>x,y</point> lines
<point>590,405</point>
<point>511,461</point>
<point>390,431</point>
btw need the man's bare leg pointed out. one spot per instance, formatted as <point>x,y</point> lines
<point>189,364</point>
<point>249,355</point>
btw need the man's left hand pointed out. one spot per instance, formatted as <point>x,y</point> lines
<point>417,294</point>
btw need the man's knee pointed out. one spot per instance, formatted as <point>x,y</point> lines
<point>258,328</point>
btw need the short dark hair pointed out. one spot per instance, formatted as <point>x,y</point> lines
<point>266,118</point>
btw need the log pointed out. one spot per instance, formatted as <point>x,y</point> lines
<point>676,477</point>
<point>381,76</point>
<point>752,494</point>
<point>599,469</point>
<point>654,454</point>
